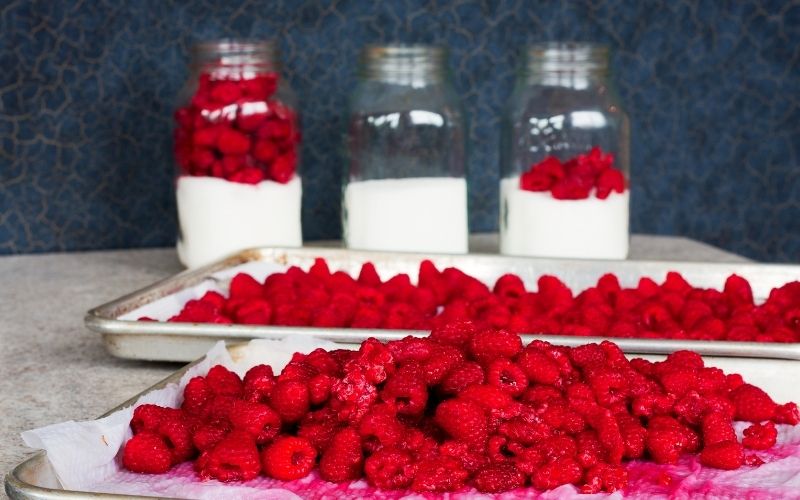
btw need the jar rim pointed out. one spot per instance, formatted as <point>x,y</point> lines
<point>231,46</point>
<point>568,56</point>
<point>373,51</point>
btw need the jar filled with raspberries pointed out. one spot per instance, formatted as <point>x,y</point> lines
<point>237,138</point>
<point>406,189</point>
<point>565,184</point>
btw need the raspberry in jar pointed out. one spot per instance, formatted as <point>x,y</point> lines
<point>237,142</point>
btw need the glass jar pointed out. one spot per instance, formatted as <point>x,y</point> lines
<point>405,189</point>
<point>236,143</point>
<point>564,189</point>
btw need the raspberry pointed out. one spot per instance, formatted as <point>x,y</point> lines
<point>389,469</point>
<point>760,436</point>
<point>352,396</point>
<point>288,458</point>
<point>343,460</point>
<point>471,459</point>
<point>231,142</point>
<point>633,434</point>
<point>207,435</point>
<point>259,381</point>
<point>461,377</point>
<point>259,420</point>
<point>487,346</point>
<point>589,450</point>
<point>147,417</point>
<point>369,275</point>
<point>752,404</point>
<point>196,395</point>
<point>462,420</point>
<point>717,428</point>
<point>234,458</point>
<point>406,390</point>
<point>254,312</point>
<point>146,452</point>
<point>443,359</point>
<point>555,447</point>
<point>507,376</point>
<point>738,291</point>
<point>605,477</point>
<point>178,438</point>
<point>439,474</point>
<point>727,455</point>
<point>375,360</point>
<point>509,286</point>
<point>538,367</point>
<point>223,382</point>
<point>525,432</point>
<point>563,471</point>
<point>498,477</point>
<point>487,396</point>
<point>787,414</point>
<point>380,428</point>
<point>290,398</point>
<point>319,389</point>
<point>245,286</point>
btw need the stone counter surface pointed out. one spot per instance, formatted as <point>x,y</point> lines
<point>53,369</point>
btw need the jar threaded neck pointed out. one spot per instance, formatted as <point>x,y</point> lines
<point>570,57</point>
<point>234,52</point>
<point>404,64</point>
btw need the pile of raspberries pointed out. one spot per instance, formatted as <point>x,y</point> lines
<point>673,309</point>
<point>234,128</point>
<point>577,178</point>
<point>464,407</point>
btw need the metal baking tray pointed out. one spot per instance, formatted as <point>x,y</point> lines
<point>164,341</point>
<point>34,478</point>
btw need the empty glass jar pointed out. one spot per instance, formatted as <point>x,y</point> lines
<point>405,189</point>
<point>236,145</point>
<point>565,155</point>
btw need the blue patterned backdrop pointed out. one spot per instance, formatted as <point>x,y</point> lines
<point>712,87</point>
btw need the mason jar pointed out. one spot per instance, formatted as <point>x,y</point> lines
<point>236,141</point>
<point>565,157</point>
<point>405,189</point>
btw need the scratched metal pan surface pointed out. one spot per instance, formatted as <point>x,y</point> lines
<point>186,341</point>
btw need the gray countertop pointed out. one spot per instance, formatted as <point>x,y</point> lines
<point>52,369</point>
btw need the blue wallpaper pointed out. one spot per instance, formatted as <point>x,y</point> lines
<point>87,89</point>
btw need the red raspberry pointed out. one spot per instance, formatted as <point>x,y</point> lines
<point>555,447</point>
<point>538,394</point>
<point>367,317</point>
<point>535,180</point>
<point>488,397</point>
<point>498,477</point>
<point>259,420</point>
<point>462,420</point>
<point>471,459</point>
<point>223,382</point>
<point>633,434</point>
<point>206,436</point>
<point>760,436</point>
<point>234,458</point>
<point>244,286</point>
<point>752,404</point>
<point>232,142</point>
<point>679,381</point>
<point>147,417</point>
<point>608,181</point>
<point>290,398</point>
<point>254,312</point>
<point>343,460</point>
<point>737,290</point>
<point>196,395</point>
<point>225,92</point>
<point>439,474</point>
<point>389,469</point>
<point>443,359</point>
<point>410,349</point>
<point>146,452</point>
<point>787,414</point>
<point>406,390</point>
<point>178,438</point>
<point>507,376</point>
<point>352,396</point>
<point>461,377</point>
<point>259,381</point>
<point>319,389</point>
<point>538,367</point>
<point>717,428</point>
<point>728,455</point>
<point>509,286</point>
<point>489,345</point>
<point>589,450</point>
<point>604,477</point>
<point>375,360</point>
<point>380,428</point>
<point>369,275</point>
<point>563,471</point>
<point>525,431</point>
<point>319,427</point>
<point>288,458</point>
